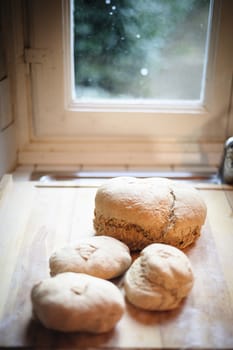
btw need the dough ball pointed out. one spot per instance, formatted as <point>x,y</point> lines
<point>71,302</point>
<point>154,210</point>
<point>159,278</point>
<point>99,256</point>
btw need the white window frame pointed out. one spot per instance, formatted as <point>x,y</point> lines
<point>137,104</point>
<point>63,131</point>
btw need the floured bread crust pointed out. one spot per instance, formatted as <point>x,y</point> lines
<point>159,278</point>
<point>71,302</point>
<point>99,256</point>
<point>143,211</point>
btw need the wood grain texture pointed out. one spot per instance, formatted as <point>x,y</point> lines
<point>34,221</point>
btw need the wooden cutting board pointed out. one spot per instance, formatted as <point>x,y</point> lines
<point>37,219</point>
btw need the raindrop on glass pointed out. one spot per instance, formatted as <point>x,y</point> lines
<point>144,72</point>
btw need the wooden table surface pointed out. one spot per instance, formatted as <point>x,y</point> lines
<point>36,219</point>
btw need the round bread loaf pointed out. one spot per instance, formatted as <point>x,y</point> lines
<point>159,278</point>
<point>71,302</point>
<point>143,211</point>
<point>99,256</point>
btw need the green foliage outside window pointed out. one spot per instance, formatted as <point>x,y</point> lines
<point>118,43</point>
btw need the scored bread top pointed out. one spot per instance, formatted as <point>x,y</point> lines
<point>143,211</point>
<point>150,203</point>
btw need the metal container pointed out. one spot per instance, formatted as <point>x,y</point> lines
<point>226,166</point>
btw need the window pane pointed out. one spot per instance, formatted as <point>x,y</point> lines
<point>151,49</point>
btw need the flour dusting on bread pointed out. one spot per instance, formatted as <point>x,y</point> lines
<point>143,211</point>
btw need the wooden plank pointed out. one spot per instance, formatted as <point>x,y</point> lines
<point>220,214</point>
<point>5,185</point>
<point>14,213</point>
<point>96,157</point>
<point>82,222</point>
<point>55,216</point>
<point>205,319</point>
<point>93,183</point>
<point>229,196</point>
<point>47,227</point>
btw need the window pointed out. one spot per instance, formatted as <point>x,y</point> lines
<point>152,49</point>
<point>147,129</point>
